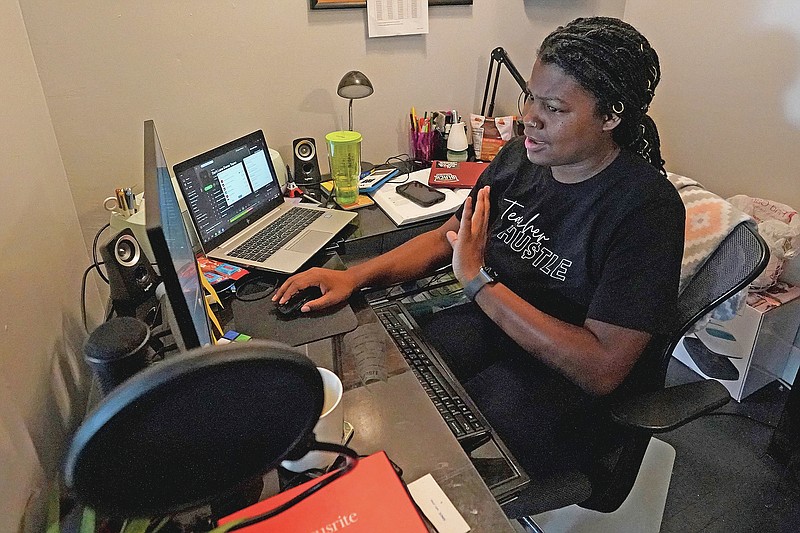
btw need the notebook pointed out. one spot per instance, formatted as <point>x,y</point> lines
<point>455,174</point>
<point>234,198</point>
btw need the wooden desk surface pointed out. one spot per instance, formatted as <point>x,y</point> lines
<point>397,416</point>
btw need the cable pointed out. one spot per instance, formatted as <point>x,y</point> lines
<point>408,164</point>
<point>94,252</point>
<point>83,293</point>
<point>521,103</point>
<point>351,459</point>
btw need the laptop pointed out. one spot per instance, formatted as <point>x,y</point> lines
<point>234,198</point>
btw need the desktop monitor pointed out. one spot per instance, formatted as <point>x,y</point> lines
<point>172,249</point>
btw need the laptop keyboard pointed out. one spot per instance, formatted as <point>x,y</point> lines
<point>280,231</point>
<point>444,390</point>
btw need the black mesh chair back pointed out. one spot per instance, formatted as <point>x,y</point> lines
<point>736,262</point>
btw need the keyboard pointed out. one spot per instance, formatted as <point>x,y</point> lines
<point>280,231</point>
<point>461,415</point>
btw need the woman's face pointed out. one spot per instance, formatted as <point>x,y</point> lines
<point>562,127</point>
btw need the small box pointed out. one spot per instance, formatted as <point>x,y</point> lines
<point>750,350</point>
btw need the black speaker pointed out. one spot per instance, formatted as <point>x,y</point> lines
<point>131,278</point>
<point>306,165</point>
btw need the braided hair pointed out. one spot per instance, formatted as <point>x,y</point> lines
<point>613,61</point>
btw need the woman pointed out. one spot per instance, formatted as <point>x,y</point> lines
<point>583,233</point>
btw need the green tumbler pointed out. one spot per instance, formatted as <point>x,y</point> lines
<point>344,158</point>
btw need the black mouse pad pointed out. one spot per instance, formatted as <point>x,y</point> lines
<point>261,320</point>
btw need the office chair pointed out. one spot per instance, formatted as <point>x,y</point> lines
<point>642,405</point>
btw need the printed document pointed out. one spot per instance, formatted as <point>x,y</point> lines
<point>397,17</point>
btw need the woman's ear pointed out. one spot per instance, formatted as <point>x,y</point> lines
<point>611,121</point>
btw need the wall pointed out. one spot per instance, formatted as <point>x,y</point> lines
<point>728,106</point>
<point>208,72</point>
<point>42,380</point>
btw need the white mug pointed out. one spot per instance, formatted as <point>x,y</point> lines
<point>329,427</point>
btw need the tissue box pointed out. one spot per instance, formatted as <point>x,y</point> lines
<point>750,350</point>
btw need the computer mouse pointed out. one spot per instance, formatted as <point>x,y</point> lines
<point>292,306</point>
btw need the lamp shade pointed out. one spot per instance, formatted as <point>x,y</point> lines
<point>354,85</point>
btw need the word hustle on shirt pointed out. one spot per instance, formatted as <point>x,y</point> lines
<point>338,525</point>
<point>523,237</point>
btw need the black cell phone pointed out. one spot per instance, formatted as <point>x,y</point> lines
<point>420,194</point>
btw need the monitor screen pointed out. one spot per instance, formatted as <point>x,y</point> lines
<point>172,248</point>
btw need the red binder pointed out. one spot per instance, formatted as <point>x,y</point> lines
<point>455,174</point>
<point>367,499</point>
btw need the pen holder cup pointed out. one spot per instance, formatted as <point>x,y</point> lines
<point>423,145</point>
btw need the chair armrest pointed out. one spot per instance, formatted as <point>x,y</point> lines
<point>670,408</point>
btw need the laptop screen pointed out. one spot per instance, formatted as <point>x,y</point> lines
<point>228,188</point>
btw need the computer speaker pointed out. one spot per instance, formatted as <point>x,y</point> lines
<point>131,278</point>
<point>306,165</point>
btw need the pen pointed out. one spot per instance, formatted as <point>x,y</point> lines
<point>121,203</point>
<point>129,201</point>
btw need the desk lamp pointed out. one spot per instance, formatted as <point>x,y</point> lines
<point>354,85</point>
<point>194,429</point>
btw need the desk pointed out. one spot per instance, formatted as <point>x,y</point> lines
<point>397,416</point>
<point>374,233</point>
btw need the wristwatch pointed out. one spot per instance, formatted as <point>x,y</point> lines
<point>485,275</point>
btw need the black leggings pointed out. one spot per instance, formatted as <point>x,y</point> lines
<point>543,418</point>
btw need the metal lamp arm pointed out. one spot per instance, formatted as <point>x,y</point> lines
<point>500,57</point>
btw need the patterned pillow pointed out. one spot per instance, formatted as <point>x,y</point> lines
<point>709,219</point>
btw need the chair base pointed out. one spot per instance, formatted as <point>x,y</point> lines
<point>641,511</point>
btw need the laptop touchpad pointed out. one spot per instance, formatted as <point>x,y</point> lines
<point>311,242</point>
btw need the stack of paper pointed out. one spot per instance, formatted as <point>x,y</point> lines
<point>403,211</point>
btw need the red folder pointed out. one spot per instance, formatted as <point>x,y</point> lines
<point>367,499</point>
<point>455,174</point>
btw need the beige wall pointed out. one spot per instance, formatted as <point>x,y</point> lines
<point>208,72</point>
<point>728,106</point>
<point>42,380</point>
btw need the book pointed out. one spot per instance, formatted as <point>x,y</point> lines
<point>456,174</point>
<point>371,497</point>
<point>403,211</point>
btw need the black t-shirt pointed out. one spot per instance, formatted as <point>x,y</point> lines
<point>608,248</point>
